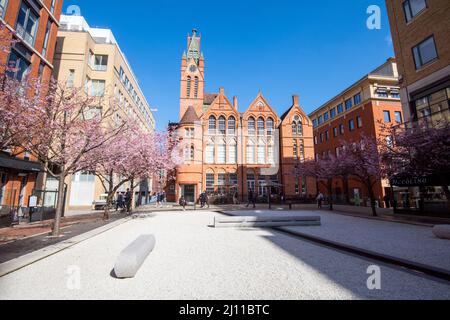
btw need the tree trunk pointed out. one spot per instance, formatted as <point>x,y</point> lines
<point>60,203</point>
<point>330,193</point>
<point>345,186</point>
<point>372,199</point>
<point>109,199</point>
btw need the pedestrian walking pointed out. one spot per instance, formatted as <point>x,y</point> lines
<point>119,201</point>
<point>251,199</point>
<point>163,198</point>
<point>236,198</point>
<point>182,203</point>
<point>320,199</point>
<point>128,200</point>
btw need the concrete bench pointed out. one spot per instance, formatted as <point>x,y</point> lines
<point>442,231</point>
<point>269,221</point>
<point>133,256</point>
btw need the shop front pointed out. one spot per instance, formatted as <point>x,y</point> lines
<point>422,195</point>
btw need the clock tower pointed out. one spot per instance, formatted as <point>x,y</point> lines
<point>192,76</point>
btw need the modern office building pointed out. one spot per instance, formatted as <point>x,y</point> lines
<point>361,109</point>
<point>91,58</point>
<point>34,24</point>
<point>421,31</point>
<point>228,151</point>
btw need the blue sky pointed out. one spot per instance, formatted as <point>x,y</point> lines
<point>311,48</point>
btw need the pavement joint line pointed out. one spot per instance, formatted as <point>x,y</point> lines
<point>436,272</point>
<point>41,254</point>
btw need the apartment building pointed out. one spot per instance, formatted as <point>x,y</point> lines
<point>361,109</point>
<point>91,58</point>
<point>228,151</point>
<point>35,24</point>
<point>421,32</point>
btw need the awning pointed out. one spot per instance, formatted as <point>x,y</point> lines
<point>19,165</point>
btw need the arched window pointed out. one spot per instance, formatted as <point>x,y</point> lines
<point>196,87</point>
<point>260,126</point>
<point>302,152</point>
<point>222,125</point>
<point>297,126</point>
<point>221,152</point>
<point>188,87</point>
<point>212,125</point>
<point>210,181</point>
<point>231,125</point>
<point>251,126</point>
<point>232,152</point>
<point>270,126</point>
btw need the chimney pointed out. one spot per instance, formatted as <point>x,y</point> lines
<point>221,90</point>
<point>235,102</point>
<point>295,100</point>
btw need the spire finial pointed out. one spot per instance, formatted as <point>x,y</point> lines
<point>194,31</point>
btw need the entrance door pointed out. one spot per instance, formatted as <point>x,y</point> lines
<point>188,191</point>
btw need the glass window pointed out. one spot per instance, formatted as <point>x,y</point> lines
<point>221,154</point>
<point>212,125</point>
<point>295,150</point>
<point>100,63</point>
<point>3,4</point>
<point>47,36</point>
<point>250,153</point>
<point>413,7</point>
<point>382,93</point>
<point>327,135</point>
<point>270,126</point>
<point>209,154</point>
<point>348,104</point>
<point>196,87</point>
<point>335,132</point>
<point>222,125</point>
<point>188,87</point>
<point>341,129</point>
<point>210,182</point>
<point>387,116</point>
<point>232,154</point>
<point>425,52</point>
<point>18,66</point>
<point>97,88</point>
<point>251,126</point>
<point>320,119</point>
<point>326,116</point>
<point>52,6</point>
<point>302,152</point>
<point>395,94</point>
<point>261,126</point>
<point>233,179</point>
<point>340,108</point>
<point>231,125</point>
<point>398,117</point>
<point>261,154</point>
<point>351,125</point>
<point>357,99</point>
<point>27,23</point>
<point>315,123</point>
<point>333,113</point>
<point>270,155</point>
<point>71,78</point>
<point>359,122</point>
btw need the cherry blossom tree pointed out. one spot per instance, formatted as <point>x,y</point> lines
<point>362,161</point>
<point>133,156</point>
<point>420,150</point>
<point>68,129</point>
<point>323,170</point>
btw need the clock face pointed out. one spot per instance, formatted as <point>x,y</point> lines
<point>192,68</point>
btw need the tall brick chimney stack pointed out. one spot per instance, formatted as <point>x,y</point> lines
<point>235,102</point>
<point>295,100</point>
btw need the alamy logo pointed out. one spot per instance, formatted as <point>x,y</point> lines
<point>73,10</point>
<point>74,278</point>
<point>374,19</point>
<point>374,280</point>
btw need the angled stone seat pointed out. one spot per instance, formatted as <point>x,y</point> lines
<point>442,231</point>
<point>133,256</point>
<point>268,221</point>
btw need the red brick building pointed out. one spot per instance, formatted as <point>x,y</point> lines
<point>35,23</point>
<point>361,109</point>
<point>228,151</point>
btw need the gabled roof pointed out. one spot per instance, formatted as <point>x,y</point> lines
<point>209,98</point>
<point>284,115</point>
<point>190,116</point>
